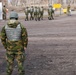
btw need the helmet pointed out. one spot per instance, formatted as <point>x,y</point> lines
<point>50,5</point>
<point>13,15</point>
<point>3,5</point>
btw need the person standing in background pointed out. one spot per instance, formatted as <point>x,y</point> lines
<point>41,12</point>
<point>31,13</point>
<point>68,10</point>
<point>4,12</point>
<point>50,13</point>
<point>26,13</point>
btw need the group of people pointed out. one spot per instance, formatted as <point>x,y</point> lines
<point>37,13</point>
<point>14,36</point>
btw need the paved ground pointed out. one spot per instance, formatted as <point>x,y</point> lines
<point>51,48</point>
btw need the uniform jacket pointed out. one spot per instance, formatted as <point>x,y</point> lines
<point>14,45</point>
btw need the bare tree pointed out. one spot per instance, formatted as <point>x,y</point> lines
<point>29,2</point>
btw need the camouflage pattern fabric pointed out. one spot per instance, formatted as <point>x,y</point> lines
<point>68,10</point>
<point>10,61</point>
<point>31,13</point>
<point>41,12</point>
<point>4,13</point>
<point>50,13</point>
<point>35,13</point>
<point>26,13</point>
<point>38,13</point>
<point>15,49</point>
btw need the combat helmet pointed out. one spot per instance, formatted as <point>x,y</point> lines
<point>50,5</point>
<point>13,15</point>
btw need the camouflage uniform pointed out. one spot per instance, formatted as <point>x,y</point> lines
<point>68,10</point>
<point>35,13</point>
<point>4,12</point>
<point>38,13</point>
<point>32,13</point>
<point>41,12</point>
<point>50,13</point>
<point>26,13</point>
<point>14,44</point>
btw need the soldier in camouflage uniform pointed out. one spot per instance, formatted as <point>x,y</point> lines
<point>38,13</point>
<point>26,13</point>
<point>50,13</point>
<point>35,13</point>
<point>31,13</point>
<point>68,10</point>
<point>4,12</point>
<point>15,39</point>
<point>41,12</point>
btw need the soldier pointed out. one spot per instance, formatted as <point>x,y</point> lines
<point>50,13</point>
<point>41,12</point>
<point>15,39</point>
<point>26,13</point>
<point>38,13</point>
<point>35,13</point>
<point>32,13</point>
<point>4,12</point>
<point>68,10</point>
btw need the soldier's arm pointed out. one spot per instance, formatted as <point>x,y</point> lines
<point>24,36</point>
<point>3,37</point>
